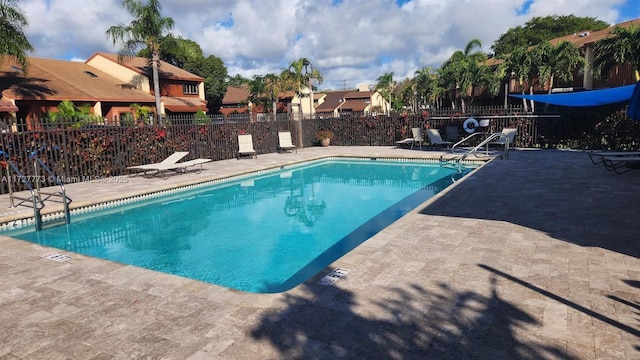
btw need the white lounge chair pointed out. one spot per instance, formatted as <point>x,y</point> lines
<point>245,146</point>
<point>180,167</point>
<point>172,159</point>
<point>405,142</point>
<point>284,140</point>
<point>598,157</point>
<point>506,140</point>
<point>436,139</point>
<point>507,133</point>
<point>621,164</point>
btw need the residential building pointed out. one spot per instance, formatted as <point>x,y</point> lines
<point>181,91</point>
<point>335,103</point>
<point>620,75</point>
<point>236,101</point>
<point>107,87</point>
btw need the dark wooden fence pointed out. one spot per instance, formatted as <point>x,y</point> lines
<point>80,154</point>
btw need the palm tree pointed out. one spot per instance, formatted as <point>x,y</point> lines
<point>423,80</point>
<point>272,86</point>
<point>623,46</point>
<point>385,87</point>
<point>556,62</point>
<point>463,72</point>
<point>299,77</point>
<point>13,41</point>
<point>147,29</point>
<point>519,66</point>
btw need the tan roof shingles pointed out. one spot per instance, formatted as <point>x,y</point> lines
<point>50,79</point>
<point>354,105</point>
<point>141,66</point>
<point>332,101</point>
<point>235,95</point>
<point>184,104</point>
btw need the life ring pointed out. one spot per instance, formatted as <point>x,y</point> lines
<point>470,125</point>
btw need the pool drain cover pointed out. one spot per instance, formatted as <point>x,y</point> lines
<point>332,277</point>
<point>56,257</point>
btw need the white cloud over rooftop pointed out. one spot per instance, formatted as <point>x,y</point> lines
<point>351,41</point>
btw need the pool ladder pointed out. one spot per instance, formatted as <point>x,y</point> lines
<point>36,199</point>
<point>484,143</point>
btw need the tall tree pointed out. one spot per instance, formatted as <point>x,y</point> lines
<point>622,46</point>
<point>518,65</point>
<point>258,91</point>
<point>188,55</point>
<point>385,87</point>
<point>423,81</point>
<point>463,72</point>
<point>556,62</point>
<point>237,80</point>
<point>214,72</point>
<point>147,29</point>
<point>541,29</point>
<point>13,41</point>
<point>300,77</point>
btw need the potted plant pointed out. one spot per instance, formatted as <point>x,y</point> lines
<point>324,137</point>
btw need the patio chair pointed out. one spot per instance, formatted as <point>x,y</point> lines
<point>180,167</point>
<point>598,157</point>
<point>621,164</point>
<point>172,159</point>
<point>284,140</point>
<point>245,146</point>
<point>417,137</point>
<point>507,134</point>
<point>436,139</point>
<point>452,133</point>
<point>406,142</point>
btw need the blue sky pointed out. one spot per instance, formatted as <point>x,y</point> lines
<point>352,42</point>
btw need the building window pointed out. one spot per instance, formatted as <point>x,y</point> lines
<point>190,89</point>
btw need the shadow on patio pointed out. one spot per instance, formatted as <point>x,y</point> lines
<point>560,193</point>
<point>404,323</point>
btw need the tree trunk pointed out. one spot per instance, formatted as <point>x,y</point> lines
<point>155,59</point>
<point>275,111</point>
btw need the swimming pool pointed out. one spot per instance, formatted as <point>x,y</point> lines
<point>264,233</point>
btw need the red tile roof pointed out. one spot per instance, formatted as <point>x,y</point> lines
<point>6,106</point>
<point>50,79</point>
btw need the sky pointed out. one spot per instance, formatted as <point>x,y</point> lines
<point>351,42</point>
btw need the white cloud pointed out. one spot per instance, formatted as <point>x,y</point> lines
<point>352,43</point>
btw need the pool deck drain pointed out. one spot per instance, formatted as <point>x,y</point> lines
<point>500,266</point>
<point>56,257</point>
<point>332,277</point>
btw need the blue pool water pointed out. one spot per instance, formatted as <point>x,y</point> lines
<point>266,233</point>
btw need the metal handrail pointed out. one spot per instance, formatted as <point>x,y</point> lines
<point>453,148</point>
<point>484,142</point>
<point>63,194</point>
<point>35,199</point>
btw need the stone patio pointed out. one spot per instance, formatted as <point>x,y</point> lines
<point>532,257</point>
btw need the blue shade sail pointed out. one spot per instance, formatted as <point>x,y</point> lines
<point>584,98</point>
<point>633,111</point>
